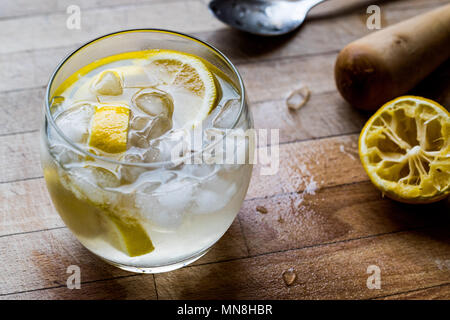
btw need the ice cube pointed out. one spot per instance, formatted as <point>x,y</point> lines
<point>107,83</point>
<point>138,140</point>
<point>173,145</point>
<point>129,173</point>
<point>213,195</point>
<point>166,207</point>
<point>145,129</point>
<point>75,121</point>
<point>123,99</point>
<point>160,125</point>
<point>198,170</point>
<point>140,122</point>
<point>64,154</point>
<point>228,114</point>
<point>92,183</point>
<point>154,102</point>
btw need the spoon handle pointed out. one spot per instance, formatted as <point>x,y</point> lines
<point>311,3</point>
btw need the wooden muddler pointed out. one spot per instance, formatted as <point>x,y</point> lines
<point>390,62</point>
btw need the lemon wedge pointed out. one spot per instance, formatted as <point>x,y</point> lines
<point>109,129</point>
<point>92,211</point>
<point>405,150</point>
<point>187,79</point>
<point>128,235</point>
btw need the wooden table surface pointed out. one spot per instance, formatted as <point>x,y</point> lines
<point>329,237</point>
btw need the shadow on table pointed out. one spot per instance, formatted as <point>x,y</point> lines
<point>241,45</point>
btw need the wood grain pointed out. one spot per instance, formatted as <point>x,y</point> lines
<point>329,30</point>
<point>336,271</point>
<point>441,292</point>
<point>38,260</point>
<point>315,164</point>
<point>19,157</point>
<point>324,219</point>
<point>20,212</point>
<point>14,8</point>
<point>36,212</point>
<point>121,288</point>
<point>50,30</point>
<point>331,214</point>
<point>30,68</point>
<point>316,72</point>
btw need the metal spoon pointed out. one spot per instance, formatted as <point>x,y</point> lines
<point>265,18</point>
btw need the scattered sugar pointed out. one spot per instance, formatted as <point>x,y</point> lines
<point>342,149</point>
<point>261,209</point>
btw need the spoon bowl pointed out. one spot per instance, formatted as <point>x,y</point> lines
<point>260,17</point>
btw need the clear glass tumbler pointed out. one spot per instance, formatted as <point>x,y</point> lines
<point>184,206</point>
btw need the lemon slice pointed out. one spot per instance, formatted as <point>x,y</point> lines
<point>405,150</point>
<point>109,129</point>
<point>93,209</point>
<point>128,235</point>
<point>189,82</point>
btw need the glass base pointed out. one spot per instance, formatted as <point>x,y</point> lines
<point>157,269</point>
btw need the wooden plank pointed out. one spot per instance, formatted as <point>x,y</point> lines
<point>19,157</point>
<point>31,68</point>
<point>101,20</point>
<point>311,164</point>
<point>297,162</point>
<point>324,33</point>
<point>325,114</point>
<point>328,215</point>
<point>344,206</point>
<point>19,8</point>
<point>441,292</point>
<point>333,161</point>
<point>25,206</point>
<point>37,260</point>
<point>21,110</point>
<point>134,287</point>
<point>287,77</point>
<point>51,31</point>
<point>336,271</point>
<point>287,74</point>
<point>339,7</point>
<point>12,9</point>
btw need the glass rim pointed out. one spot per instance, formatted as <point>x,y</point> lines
<point>49,116</point>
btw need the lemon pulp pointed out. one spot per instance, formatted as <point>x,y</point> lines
<point>405,150</point>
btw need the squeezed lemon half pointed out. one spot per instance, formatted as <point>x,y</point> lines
<point>405,150</point>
